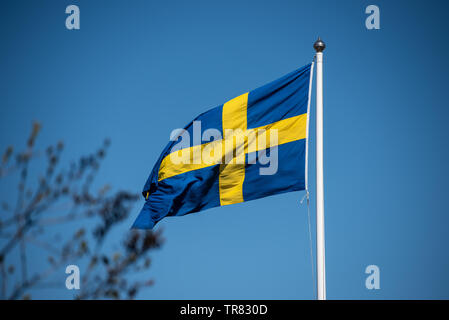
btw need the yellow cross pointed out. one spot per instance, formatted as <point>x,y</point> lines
<point>232,173</point>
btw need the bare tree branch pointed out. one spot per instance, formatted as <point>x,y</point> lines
<point>63,196</point>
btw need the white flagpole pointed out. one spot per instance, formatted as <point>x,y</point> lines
<point>320,251</point>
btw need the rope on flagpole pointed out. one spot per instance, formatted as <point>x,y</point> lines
<point>307,125</point>
<point>309,223</point>
<point>307,195</point>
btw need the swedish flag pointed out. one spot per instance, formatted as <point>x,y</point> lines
<point>250,147</point>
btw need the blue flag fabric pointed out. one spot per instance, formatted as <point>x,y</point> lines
<point>250,147</point>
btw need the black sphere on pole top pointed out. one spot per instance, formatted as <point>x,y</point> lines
<point>319,45</point>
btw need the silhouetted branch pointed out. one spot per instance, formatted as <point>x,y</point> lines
<point>67,193</point>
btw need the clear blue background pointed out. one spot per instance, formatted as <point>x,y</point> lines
<point>138,69</point>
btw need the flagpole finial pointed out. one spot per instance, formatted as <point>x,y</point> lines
<point>319,45</point>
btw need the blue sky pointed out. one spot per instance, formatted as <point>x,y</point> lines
<point>137,70</point>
